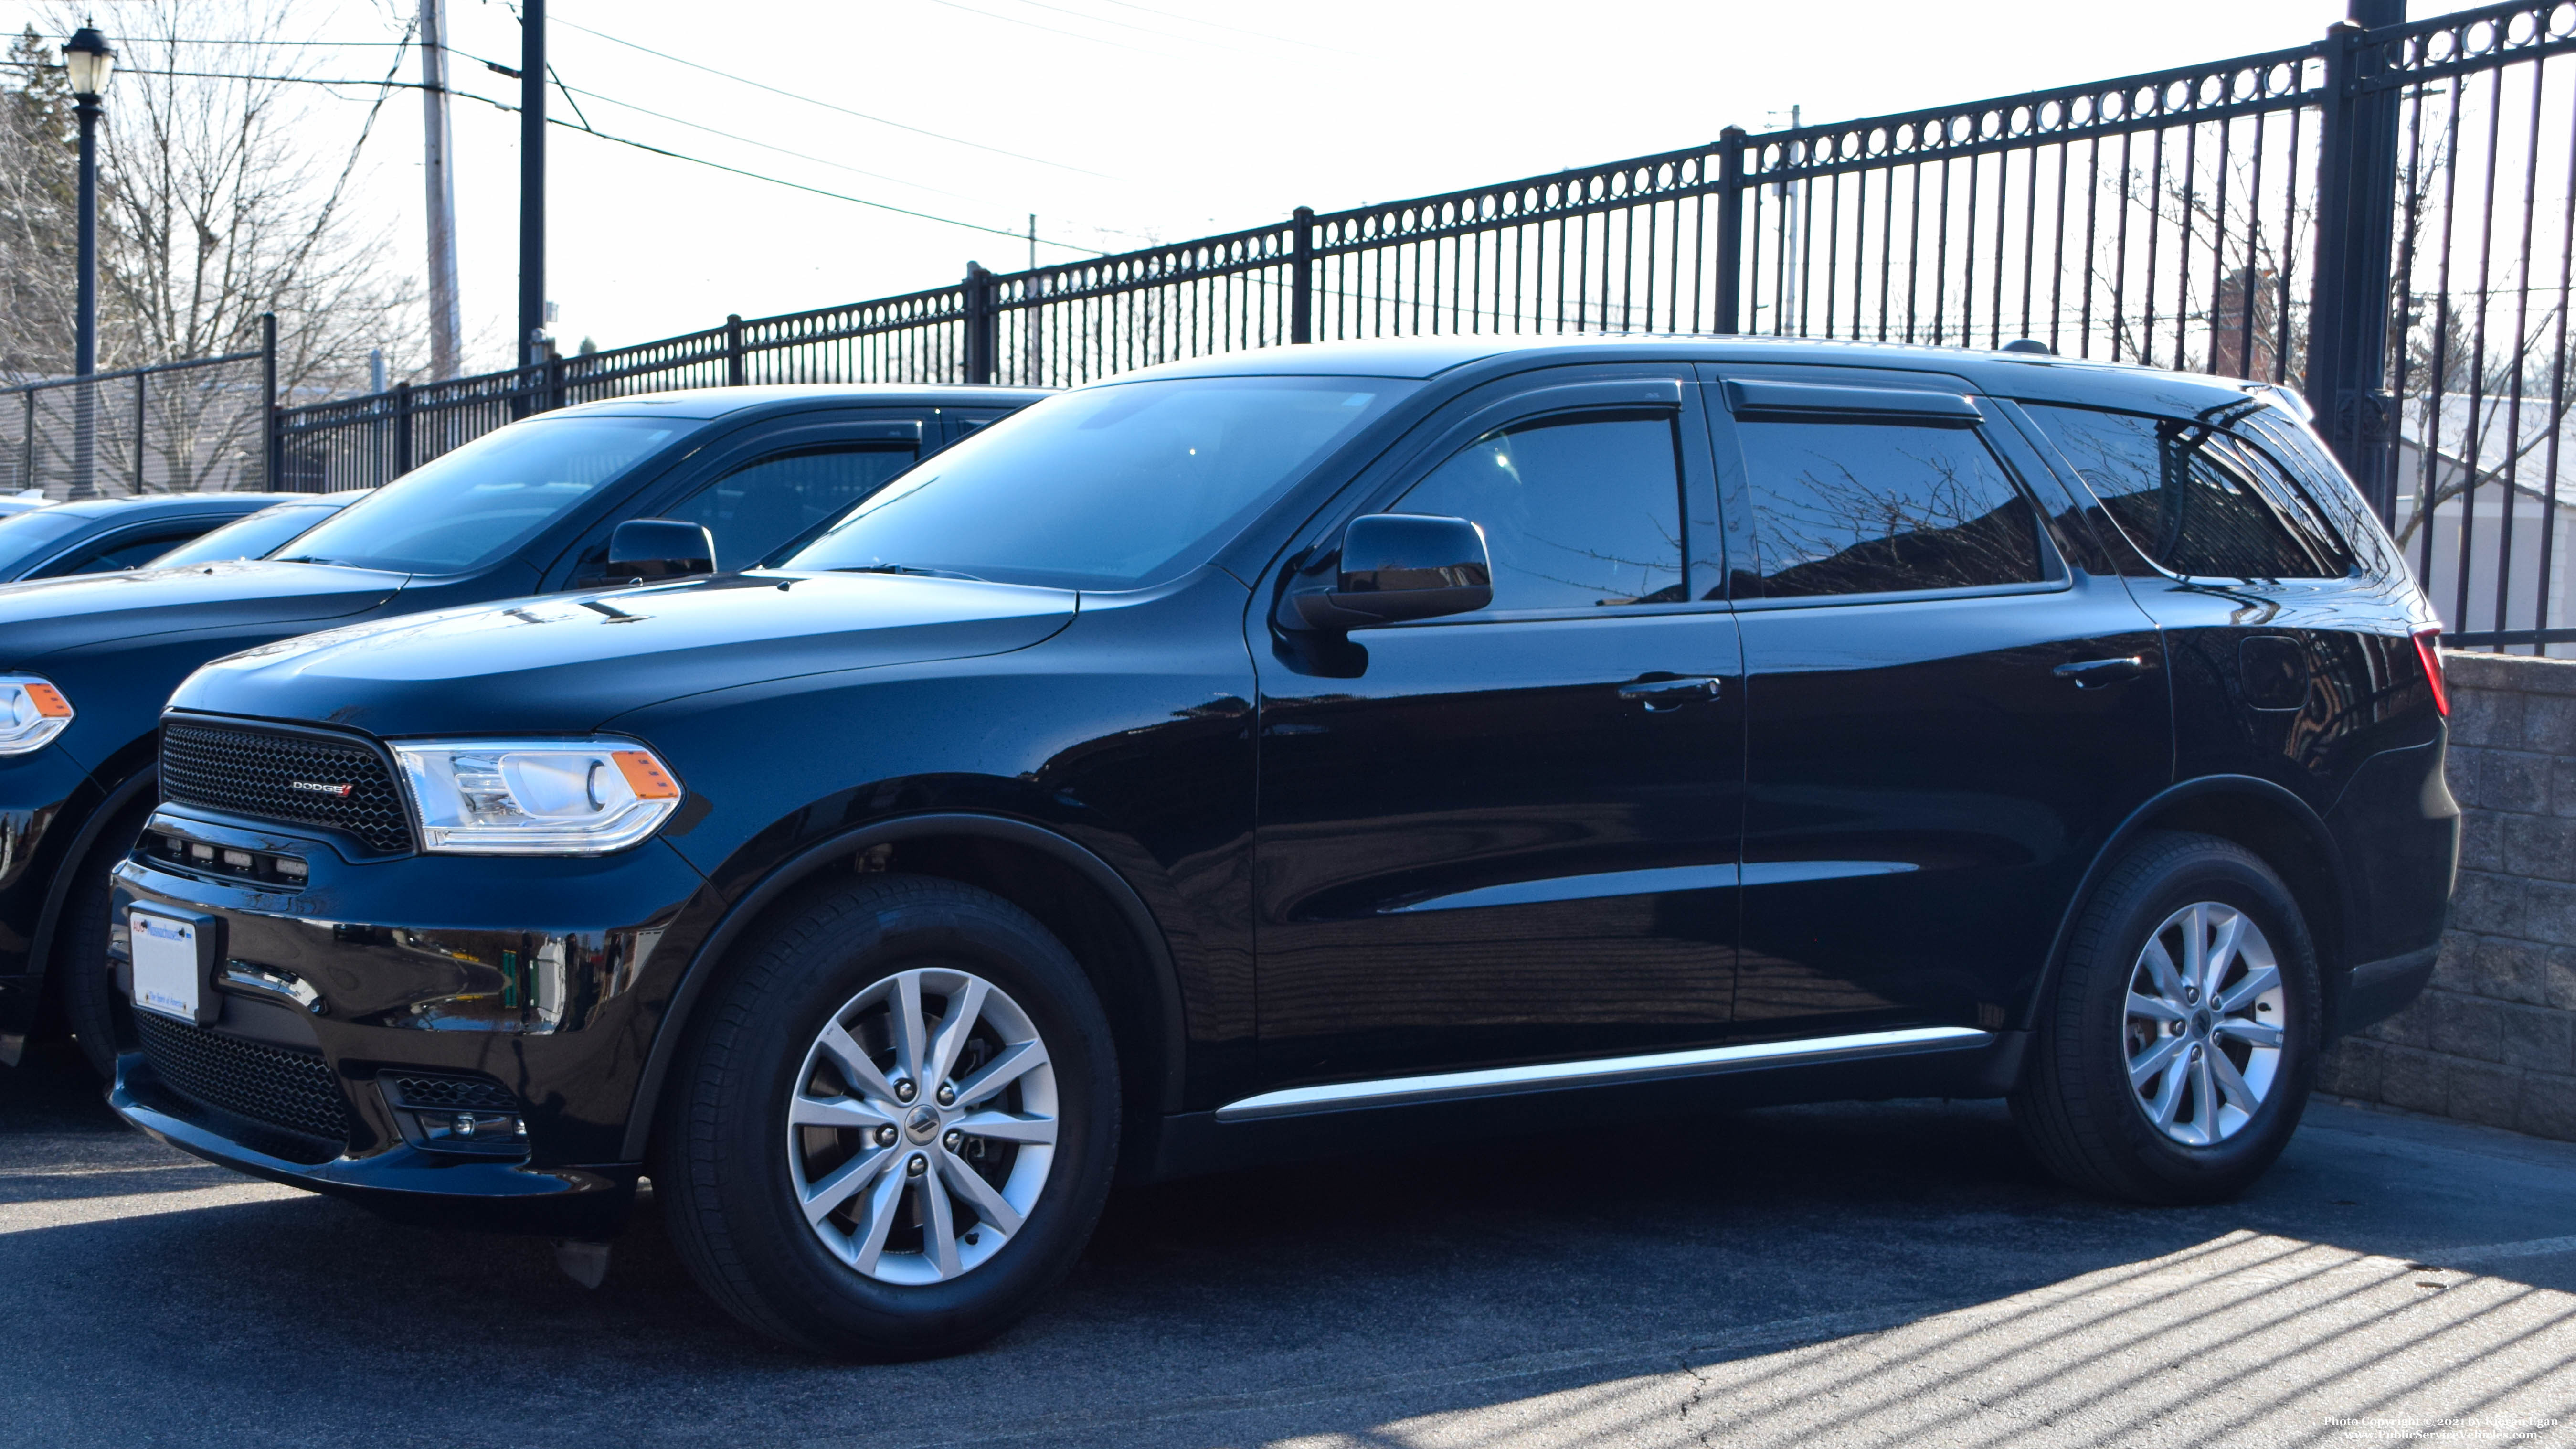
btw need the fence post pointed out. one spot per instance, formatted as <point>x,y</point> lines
<point>140,379</point>
<point>1730,228</point>
<point>273,454</point>
<point>983,324</point>
<point>2356,221</point>
<point>733,350</point>
<point>1301,285</point>
<point>402,429</point>
<point>27,475</point>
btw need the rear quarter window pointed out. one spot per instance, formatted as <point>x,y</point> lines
<point>2196,499</point>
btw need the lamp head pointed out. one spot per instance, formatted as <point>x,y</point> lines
<point>89,61</point>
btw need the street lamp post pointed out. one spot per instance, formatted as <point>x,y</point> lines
<point>89,62</point>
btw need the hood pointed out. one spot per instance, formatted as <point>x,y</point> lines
<point>48,615</point>
<point>569,662</point>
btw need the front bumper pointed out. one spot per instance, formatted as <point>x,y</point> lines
<point>360,1026</point>
<point>401,1181</point>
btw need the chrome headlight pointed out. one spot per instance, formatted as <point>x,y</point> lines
<point>32,712</point>
<point>535,797</point>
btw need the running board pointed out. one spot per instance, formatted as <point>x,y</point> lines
<point>1600,1071</point>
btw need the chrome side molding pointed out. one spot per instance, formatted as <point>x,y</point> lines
<point>1599,1072</point>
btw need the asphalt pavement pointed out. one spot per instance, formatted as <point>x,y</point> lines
<point>1894,1274</point>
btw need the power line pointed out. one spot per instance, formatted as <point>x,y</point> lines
<point>764,145</point>
<point>262,44</point>
<point>625,141</point>
<point>792,185</point>
<point>827,105</point>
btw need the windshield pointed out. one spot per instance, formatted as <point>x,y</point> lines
<point>1107,488</point>
<point>478,504</point>
<point>25,537</point>
<point>250,536</point>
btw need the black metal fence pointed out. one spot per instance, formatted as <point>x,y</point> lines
<point>176,427</point>
<point>2384,220</point>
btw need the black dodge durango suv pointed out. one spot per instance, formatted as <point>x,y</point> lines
<point>1248,756</point>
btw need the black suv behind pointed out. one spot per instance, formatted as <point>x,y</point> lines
<point>86,663</point>
<point>1247,757</point>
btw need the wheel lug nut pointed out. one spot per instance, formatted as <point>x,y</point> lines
<point>947,1096</point>
<point>954,1140</point>
<point>918,1165</point>
<point>903,1091</point>
<point>885,1137</point>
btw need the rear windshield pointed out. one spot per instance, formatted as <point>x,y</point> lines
<point>248,537</point>
<point>1113,487</point>
<point>477,505</point>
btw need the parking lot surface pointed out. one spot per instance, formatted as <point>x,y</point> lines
<point>1883,1274</point>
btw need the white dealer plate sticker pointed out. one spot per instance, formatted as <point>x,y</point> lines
<point>165,965</point>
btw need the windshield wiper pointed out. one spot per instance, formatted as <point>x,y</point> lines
<point>305,558</point>
<point>910,569</point>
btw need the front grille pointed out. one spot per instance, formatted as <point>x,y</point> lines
<point>291,1090</point>
<point>268,775</point>
<point>451,1094</point>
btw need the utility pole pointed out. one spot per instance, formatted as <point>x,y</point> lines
<point>1032,366</point>
<point>1790,194</point>
<point>532,186</point>
<point>446,316</point>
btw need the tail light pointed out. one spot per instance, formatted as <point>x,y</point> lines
<point>2428,648</point>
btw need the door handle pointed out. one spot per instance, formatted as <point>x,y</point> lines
<point>1670,691</point>
<point>2090,673</point>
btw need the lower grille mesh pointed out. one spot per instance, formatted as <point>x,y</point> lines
<point>291,1090</point>
<point>454,1094</point>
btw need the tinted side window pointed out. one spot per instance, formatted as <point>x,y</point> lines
<point>2195,500</point>
<point>1852,507</point>
<point>751,511</point>
<point>1579,512</point>
<point>123,551</point>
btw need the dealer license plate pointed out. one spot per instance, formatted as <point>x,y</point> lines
<point>165,965</point>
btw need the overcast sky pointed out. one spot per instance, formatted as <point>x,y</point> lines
<point>1123,123</point>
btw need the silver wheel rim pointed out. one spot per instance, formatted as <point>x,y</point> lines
<point>2205,1020</point>
<point>922,1126</point>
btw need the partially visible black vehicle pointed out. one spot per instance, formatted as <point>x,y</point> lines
<point>1272,754</point>
<point>257,535</point>
<point>86,663</point>
<point>105,535</point>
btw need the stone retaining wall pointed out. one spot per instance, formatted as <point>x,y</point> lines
<point>2493,1038</point>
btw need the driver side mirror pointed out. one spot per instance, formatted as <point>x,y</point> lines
<point>648,550</point>
<point>1397,567</point>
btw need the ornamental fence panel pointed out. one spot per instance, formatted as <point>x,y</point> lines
<point>2381,221</point>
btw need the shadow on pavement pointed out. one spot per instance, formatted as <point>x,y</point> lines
<point>1823,1274</point>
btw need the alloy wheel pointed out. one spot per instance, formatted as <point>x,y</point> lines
<point>2204,1023</point>
<point>922,1126</point>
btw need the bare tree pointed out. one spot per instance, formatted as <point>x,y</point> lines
<point>227,190</point>
<point>38,174</point>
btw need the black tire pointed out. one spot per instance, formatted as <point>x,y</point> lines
<point>99,1017</point>
<point>722,1159</point>
<point>2077,1108</point>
